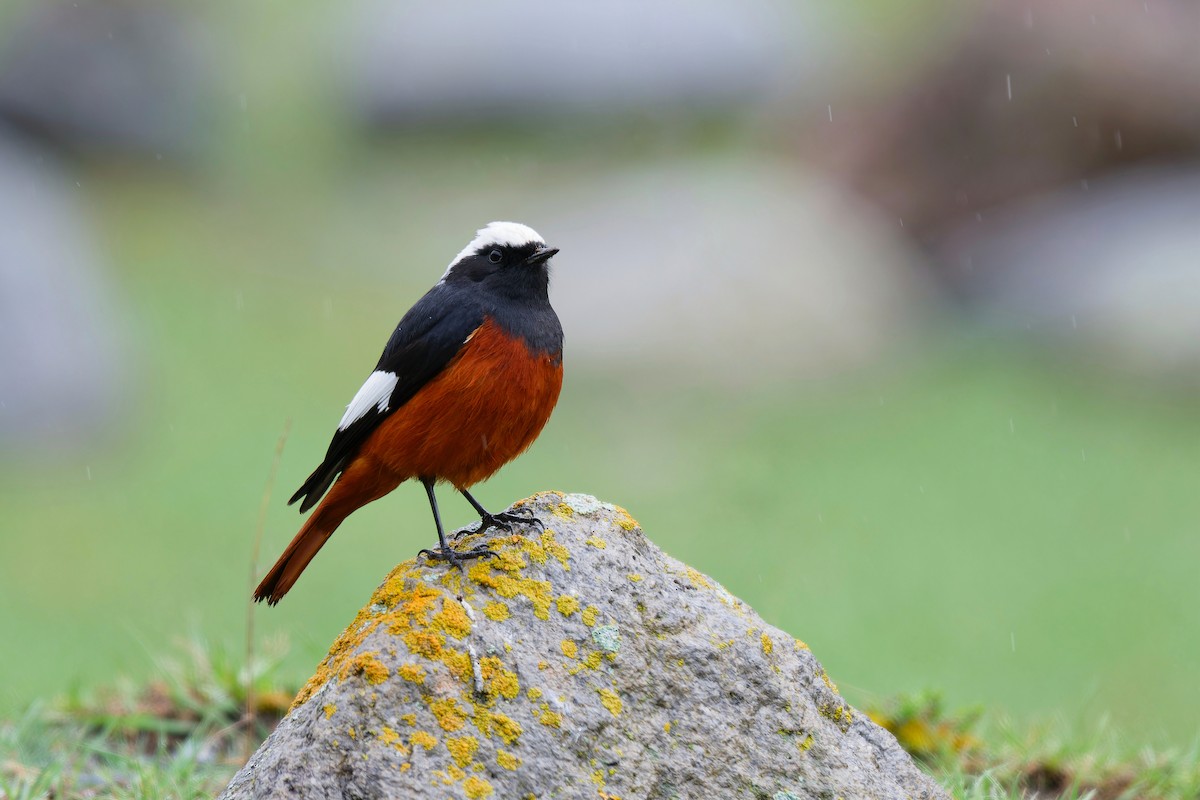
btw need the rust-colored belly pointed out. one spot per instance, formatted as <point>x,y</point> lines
<point>479,413</point>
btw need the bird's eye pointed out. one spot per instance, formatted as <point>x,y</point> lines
<point>495,256</point>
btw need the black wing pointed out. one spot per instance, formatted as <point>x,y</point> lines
<point>425,341</point>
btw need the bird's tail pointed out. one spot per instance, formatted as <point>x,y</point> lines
<point>312,536</point>
<point>361,482</point>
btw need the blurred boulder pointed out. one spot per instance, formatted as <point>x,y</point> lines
<point>427,62</point>
<point>126,77</point>
<point>1027,97</point>
<point>62,363</point>
<point>1112,269</point>
<point>730,270</point>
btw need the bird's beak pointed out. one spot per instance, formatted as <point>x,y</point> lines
<point>541,254</point>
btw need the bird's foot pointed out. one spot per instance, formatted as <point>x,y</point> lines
<point>456,557</point>
<point>506,519</point>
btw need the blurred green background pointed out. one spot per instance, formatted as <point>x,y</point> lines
<point>977,479</point>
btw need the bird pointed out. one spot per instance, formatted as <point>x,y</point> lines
<point>466,382</point>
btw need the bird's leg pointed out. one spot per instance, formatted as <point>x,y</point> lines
<point>505,519</point>
<point>443,552</point>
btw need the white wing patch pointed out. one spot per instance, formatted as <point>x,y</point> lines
<point>505,234</point>
<point>375,393</point>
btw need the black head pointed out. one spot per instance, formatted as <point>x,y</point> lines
<point>505,257</point>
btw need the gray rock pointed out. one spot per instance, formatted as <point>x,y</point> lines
<point>128,77</point>
<point>1110,269</point>
<point>581,661</point>
<point>64,359</point>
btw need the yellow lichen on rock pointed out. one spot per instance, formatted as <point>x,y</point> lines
<point>625,520</point>
<point>569,648</point>
<point>329,709</point>
<point>477,788</point>
<point>424,739</point>
<point>589,615</point>
<point>507,759</point>
<point>550,545</point>
<point>612,701</point>
<point>495,610</point>
<point>500,681</point>
<point>567,604</point>
<point>368,665</point>
<point>596,542</point>
<point>411,673</point>
<point>392,738</point>
<point>448,714</point>
<point>462,749</point>
<point>767,645</point>
<point>507,728</point>
<point>452,619</point>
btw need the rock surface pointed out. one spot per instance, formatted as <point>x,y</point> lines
<point>580,661</point>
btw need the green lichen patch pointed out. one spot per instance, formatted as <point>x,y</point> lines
<point>607,638</point>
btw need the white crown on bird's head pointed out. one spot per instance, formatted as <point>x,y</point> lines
<point>502,234</point>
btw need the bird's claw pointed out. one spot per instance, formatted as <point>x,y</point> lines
<point>506,519</point>
<point>456,557</point>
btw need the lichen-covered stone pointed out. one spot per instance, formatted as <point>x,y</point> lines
<point>663,687</point>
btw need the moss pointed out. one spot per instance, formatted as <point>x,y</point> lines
<point>329,710</point>
<point>567,605</point>
<point>411,673</point>
<point>612,701</point>
<point>767,645</point>
<point>424,739</point>
<point>462,749</point>
<point>496,610</point>
<point>569,648</point>
<point>589,615</point>
<point>507,759</point>
<point>476,788</point>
